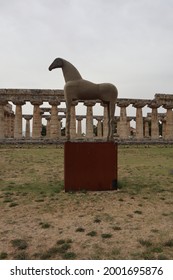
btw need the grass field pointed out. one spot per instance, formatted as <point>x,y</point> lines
<point>38,220</point>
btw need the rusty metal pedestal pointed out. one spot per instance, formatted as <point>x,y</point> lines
<point>90,166</point>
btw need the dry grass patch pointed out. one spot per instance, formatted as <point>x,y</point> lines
<point>133,222</point>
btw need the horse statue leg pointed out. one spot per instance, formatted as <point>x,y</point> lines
<point>109,128</point>
<point>111,111</point>
<point>68,117</point>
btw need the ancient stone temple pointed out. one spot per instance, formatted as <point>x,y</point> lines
<point>151,125</point>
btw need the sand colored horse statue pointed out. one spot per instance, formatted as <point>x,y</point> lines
<point>77,88</point>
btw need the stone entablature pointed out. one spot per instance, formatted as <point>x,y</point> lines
<point>31,95</point>
<point>146,127</point>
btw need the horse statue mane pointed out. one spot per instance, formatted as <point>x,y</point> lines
<point>76,88</point>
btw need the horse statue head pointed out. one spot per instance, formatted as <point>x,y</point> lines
<point>57,63</point>
<point>69,71</point>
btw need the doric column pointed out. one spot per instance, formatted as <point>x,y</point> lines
<point>154,121</point>
<point>28,127</point>
<point>36,124</point>
<point>18,120</point>
<point>123,126</point>
<point>139,120</point>
<point>12,117</point>
<point>169,122</point>
<point>60,124</point>
<point>163,128</point>
<point>48,127</point>
<point>73,120</point>
<point>128,126</point>
<point>89,119</point>
<point>54,122</point>
<point>6,120</point>
<point>146,127</point>
<point>99,126</point>
<point>79,126</point>
<point>2,121</point>
<point>9,124</point>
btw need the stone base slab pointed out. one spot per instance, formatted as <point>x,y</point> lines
<point>90,166</point>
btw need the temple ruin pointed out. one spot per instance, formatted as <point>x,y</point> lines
<point>149,126</point>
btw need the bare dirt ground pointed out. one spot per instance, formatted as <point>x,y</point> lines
<point>38,220</point>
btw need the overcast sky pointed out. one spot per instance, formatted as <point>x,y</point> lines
<point>126,42</point>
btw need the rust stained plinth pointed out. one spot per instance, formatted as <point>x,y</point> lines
<point>90,166</point>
